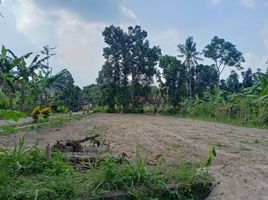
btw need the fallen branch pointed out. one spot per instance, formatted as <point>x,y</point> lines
<point>72,145</point>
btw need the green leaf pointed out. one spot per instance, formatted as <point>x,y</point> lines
<point>4,51</point>
<point>213,151</point>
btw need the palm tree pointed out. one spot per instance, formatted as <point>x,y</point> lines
<point>190,54</point>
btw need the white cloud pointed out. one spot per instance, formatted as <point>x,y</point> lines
<point>79,43</point>
<point>215,2</point>
<point>168,36</point>
<point>34,22</point>
<point>248,3</point>
<point>80,47</point>
<point>168,41</point>
<point>128,13</point>
<point>254,61</point>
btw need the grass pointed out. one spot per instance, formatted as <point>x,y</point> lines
<point>25,173</point>
<point>7,130</point>
<point>51,123</point>
<point>234,122</point>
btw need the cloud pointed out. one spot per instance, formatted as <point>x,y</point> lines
<point>167,40</point>
<point>80,47</point>
<point>254,61</point>
<point>128,13</point>
<point>215,2</point>
<point>79,42</point>
<point>34,22</point>
<point>248,3</point>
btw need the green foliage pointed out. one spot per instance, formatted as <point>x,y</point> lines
<point>128,55</point>
<point>223,53</point>
<point>211,156</point>
<point>174,74</point>
<point>100,109</point>
<point>7,129</point>
<point>62,109</point>
<point>11,115</point>
<point>25,173</point>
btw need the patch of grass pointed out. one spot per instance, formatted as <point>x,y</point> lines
<point>175,146</point>
<point>235,122</point>
<point>7,129</point>
<point>26,173</point>
<point>188,174</point>
<point>100,109</point>
<point>52,123</point>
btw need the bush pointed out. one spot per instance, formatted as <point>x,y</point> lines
<point>36,112</point>
<point>101,109</point>
<point>46,112</point>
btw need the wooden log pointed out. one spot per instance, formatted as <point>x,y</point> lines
<point>73,145</point>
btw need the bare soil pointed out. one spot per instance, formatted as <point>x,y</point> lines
<point>240,169</point>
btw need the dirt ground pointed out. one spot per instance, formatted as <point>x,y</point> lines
<point>240,169</point>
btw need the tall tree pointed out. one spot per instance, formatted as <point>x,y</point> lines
<point>108,87</point>
<point>113,78</point>
<point>128,55</point>
<point>190,54</point>
<point>174,75</point>
<point>223,53</point>
<point>142,60</point>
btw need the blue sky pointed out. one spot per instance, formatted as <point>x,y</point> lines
<point>75,26</point>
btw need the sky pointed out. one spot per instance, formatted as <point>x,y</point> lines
<point>75,28</point>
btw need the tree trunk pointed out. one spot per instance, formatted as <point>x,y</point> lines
<point>133,106</point>
<point>190,83</point>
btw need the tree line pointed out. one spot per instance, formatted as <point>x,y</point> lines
<point>135,72</point>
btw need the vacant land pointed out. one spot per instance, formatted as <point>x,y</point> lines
<point>241,166</point>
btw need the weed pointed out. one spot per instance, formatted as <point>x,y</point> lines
<point>7,129</point>
<point>25,173</point>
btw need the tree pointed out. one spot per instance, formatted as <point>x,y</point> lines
<point>113,76</point>
<point>47,52</point>
<point>141,60</point>
<point>223,53</point>
<point>247,78</point>
<point>233,84</point>
<point>223,85</point>
<point>174,75</point>
<point>92,94</point>
<point>206,79</point>
<point>107,84</point>
<point>128,55</point>
<point>190,54</point>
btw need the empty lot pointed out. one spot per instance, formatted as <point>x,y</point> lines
<point>240,169</point>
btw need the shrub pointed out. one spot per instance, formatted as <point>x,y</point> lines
<point>36,112</point>
<point>46,112</point>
